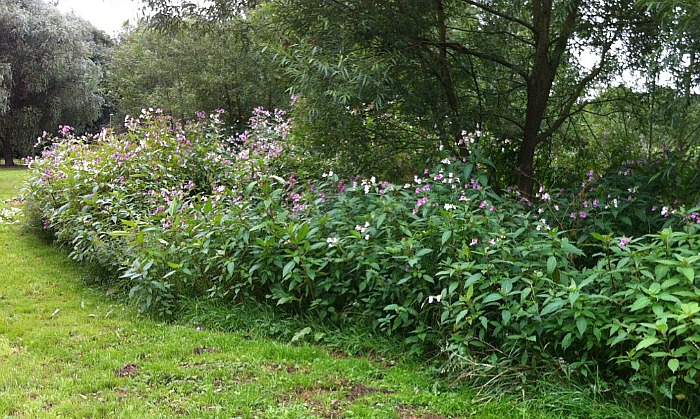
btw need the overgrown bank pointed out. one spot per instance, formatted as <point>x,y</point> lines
<point>442,261</point>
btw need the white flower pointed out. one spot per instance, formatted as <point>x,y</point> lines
<point>332,241</point>
<point>449,207</point>
<point>436,298</point>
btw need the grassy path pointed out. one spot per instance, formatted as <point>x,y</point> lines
<point>68,351</point>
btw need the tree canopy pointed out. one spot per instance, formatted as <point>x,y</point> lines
<point>382,86</point>
<point>183,70</point>
<point>512,67</point>
<point>47,74</point>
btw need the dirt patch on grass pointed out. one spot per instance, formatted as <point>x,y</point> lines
<point>414,412</point>
<point>205,349</point>
<point>288,368</point>
<point>129,370</point>
<point>359,390</point>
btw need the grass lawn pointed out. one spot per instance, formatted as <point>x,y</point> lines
<point>67,350</point>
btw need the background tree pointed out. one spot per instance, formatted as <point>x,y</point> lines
<point>508,66</point>
<point>47,75</point>
<point>182,69</point>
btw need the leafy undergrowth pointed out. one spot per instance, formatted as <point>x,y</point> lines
<point>66,350</point>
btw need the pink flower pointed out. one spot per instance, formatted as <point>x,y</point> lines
<point>623,241</point>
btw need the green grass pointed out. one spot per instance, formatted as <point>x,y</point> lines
<point>67,350</point>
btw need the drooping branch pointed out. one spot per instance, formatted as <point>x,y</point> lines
<point>578,90</point>
<point>491,10</point>
<point>521,71</point>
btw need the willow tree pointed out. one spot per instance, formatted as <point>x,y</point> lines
<point>188,68</point>
<point>47,76</point>
<point>498,63</point>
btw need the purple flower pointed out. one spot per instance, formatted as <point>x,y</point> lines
<point>623,241</point>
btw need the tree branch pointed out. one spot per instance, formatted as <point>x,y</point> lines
<point>479,54</point>
<point>494,11</point>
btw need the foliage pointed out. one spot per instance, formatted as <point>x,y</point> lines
<point>633,199</point>
<point>178,71</point>
<point>47,74</point>
<point>454,66</point>
<point>183,211</point>
<point>55,329</point>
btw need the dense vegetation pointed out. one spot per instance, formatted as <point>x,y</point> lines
<point>49,73</point>
<point>181,211</point>
<point>457,177</point>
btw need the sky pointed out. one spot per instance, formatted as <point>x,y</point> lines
<point>108,15</point>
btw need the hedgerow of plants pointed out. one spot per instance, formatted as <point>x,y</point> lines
<point>183,211</point>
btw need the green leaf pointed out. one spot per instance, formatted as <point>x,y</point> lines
<point>551,264</point>
<point>301,334</point>
<point>689,272</point>
<point>492,297</point>
<point>566,342</point>
<point>423,252</point>
<point>673,364</point>
<point>646,342</point>
<point>452,287</point>
<point>380,220</point>
<point>461,316</point>
<point>470,292</point>
<point>288,268</point>
<point>230,267</point>
<point>570,248</point>
<point>640,303</point>
<point>619,338</point>
<point>473,279</point>
<point>552,307</point>
<point>661,271</point>
<point>668,297</point>
<point>446,236</point>
<point>581,324</point>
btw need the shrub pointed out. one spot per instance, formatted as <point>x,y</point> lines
<point>183,211</point>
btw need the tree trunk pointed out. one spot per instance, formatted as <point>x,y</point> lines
<point>7,153</point>
<point>539,86</point>
<point>448,85</point>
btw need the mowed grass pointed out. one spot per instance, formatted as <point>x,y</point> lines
<point>67,350</point>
